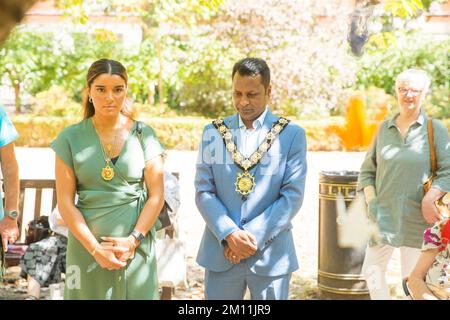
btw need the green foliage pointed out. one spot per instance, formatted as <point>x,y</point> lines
<point>195,44</point>
<point>400,11</point>
<point>381,42</point>
<point>142,72</point>
<point>79,51</point>
<point>29,60</point>
<point>310,67</point>
<point>438,103</point>
<point>403,8</point>
<point>205,77</point>
<point>37,61</point>
<point>184,63</point>
<point>56,101</point>
<point>38,131</point>
<point>447,123</point>
<point>413,51</point>
<point>178,133</point>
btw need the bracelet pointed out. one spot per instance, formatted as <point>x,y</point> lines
<point>94,250</point>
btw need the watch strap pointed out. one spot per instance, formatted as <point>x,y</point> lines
<point>139,236</point>
<point>14,214</point>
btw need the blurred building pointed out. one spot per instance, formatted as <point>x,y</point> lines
<point>44,16</point>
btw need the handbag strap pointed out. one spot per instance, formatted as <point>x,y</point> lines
<point>433,160</point>
<point>139,131</point>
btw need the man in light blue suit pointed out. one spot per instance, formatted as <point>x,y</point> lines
<point>249,185</point>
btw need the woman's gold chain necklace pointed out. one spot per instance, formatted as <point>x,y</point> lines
<point>107,171</point>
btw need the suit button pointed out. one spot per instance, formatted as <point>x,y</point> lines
<point>244,221</point>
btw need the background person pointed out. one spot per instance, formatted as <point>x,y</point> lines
<point>392,176</point>
<point>44,262</point>
<point>430,278</point>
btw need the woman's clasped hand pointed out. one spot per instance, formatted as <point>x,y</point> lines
<point>113,253</point>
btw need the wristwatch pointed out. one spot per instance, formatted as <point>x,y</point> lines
<point>139,236</point>
<point>12,214</point>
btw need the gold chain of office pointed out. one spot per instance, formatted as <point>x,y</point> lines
<point>245,181</point>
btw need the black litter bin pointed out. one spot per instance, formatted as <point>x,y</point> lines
<point>339,270</point>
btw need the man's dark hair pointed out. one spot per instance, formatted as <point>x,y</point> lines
<point>252,67</point>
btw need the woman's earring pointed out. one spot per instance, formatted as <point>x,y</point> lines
<point>90,99</point>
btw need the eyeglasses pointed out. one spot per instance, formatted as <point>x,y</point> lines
<point>414,92</point>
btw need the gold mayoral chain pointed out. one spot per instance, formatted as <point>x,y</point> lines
<point>245,181</point>
<point>107,170</point>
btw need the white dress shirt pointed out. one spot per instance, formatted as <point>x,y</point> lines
<point>250,139</point>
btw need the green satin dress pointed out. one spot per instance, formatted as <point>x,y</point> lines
<point>110,208</point>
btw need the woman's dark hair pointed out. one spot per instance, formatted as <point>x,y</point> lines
<point>99,67</point>
<point>253,67</point>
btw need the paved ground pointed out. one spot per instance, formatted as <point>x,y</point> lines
<point>38,163</point>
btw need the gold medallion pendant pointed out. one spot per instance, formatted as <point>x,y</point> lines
<point>107,173</point>
<point>245,183</point>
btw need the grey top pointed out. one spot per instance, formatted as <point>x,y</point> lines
<point>397,168</point>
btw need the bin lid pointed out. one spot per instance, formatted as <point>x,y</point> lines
<point>342,176</point>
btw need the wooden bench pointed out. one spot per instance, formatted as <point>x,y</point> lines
<point>39,185</point>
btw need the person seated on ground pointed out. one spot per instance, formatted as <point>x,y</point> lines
<point>430,278</point>
<point>45,260</point>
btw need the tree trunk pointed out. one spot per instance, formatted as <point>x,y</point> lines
<point>11,12</point>
<point>160,72</point>
<point>151,95</point>
<point>17,96</point>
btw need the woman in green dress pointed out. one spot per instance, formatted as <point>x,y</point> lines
<point>114,164</point>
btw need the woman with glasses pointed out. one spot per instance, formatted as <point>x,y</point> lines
<point>392,177</point>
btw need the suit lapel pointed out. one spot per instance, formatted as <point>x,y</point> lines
<point>267,125</point>
<point>233,125</point>
<point>233,122</point>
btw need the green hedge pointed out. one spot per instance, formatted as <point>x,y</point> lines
<point>174,133</point>
<point>185,133</point>
<point>178,133</point>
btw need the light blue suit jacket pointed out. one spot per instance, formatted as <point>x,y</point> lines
<point>268,210</point>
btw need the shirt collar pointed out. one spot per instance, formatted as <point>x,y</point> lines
<point>420,119</point>
<point>257,123</point>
